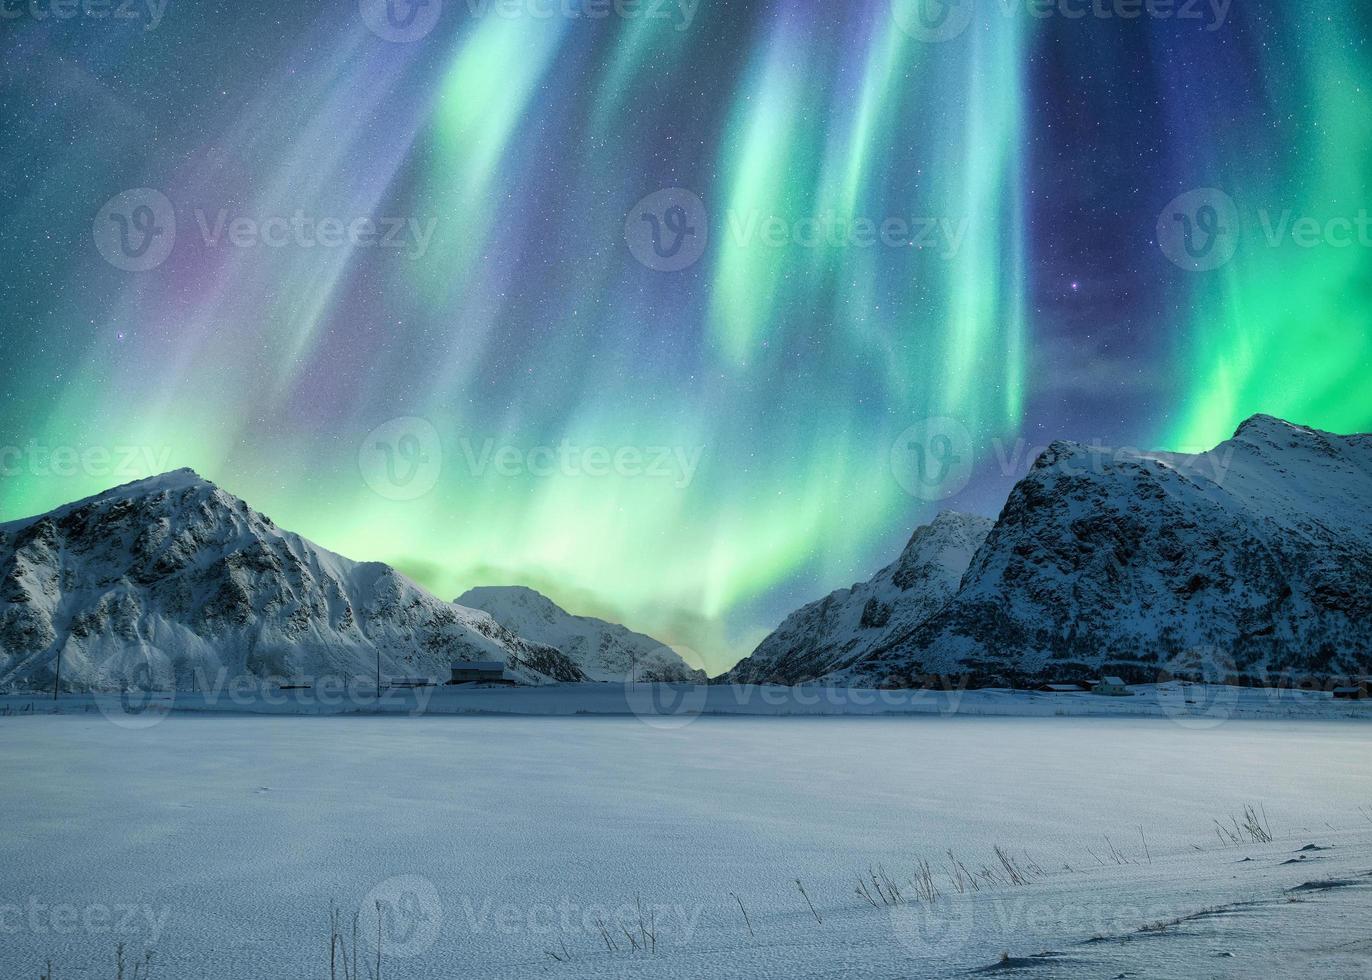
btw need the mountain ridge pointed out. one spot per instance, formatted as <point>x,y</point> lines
<point>833,634</point>
<point>1250,562</point>
<point>605,651</point>
<point>163,578</point>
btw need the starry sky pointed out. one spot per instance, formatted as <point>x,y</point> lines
<point>683,313</point>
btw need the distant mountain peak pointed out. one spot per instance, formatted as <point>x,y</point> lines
<point>521,594</point>
<point>178,479</point>
<point>148,486</point>
<point>1270,424</point>
<point>1057,451</point>
<point>839,630</point>
<point>605,651</point>
<point>949,518</point>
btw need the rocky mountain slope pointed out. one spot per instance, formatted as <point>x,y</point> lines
<point>604,651</point>
<point>842,629</point>
<point>170,581</point>
<point>1248,562</point>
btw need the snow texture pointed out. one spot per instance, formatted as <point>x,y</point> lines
<point>221,841</point>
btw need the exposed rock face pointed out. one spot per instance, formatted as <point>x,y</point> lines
<point>1250,561</point>
<point>840,630</point>
<point>604,651</point>
<point>170,580</point>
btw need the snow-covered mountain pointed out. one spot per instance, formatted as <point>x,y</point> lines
<point>1251,560</point>
<point>605,651</point>
<point>841,629</point>
<point>170,579</point>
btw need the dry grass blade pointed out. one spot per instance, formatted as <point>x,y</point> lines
<point>808,902</point>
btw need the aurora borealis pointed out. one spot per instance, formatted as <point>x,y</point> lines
<point>404,311</point>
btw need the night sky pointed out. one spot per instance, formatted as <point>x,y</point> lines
<point>684,315</point>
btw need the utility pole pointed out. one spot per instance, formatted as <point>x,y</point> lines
<point>57,677</point>
<point>378,677</point>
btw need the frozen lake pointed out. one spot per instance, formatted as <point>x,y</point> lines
<point>502,846</point>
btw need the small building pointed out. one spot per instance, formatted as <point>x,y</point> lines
<point>480,672</point>
<point>1111,687</point>
<point>1060,687</point>
<point>1352,692</point>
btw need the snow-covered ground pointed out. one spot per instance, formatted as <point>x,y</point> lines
<point>498,847</point>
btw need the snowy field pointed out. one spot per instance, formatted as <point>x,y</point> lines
<point>502,847</point>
